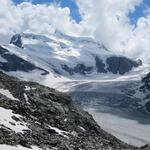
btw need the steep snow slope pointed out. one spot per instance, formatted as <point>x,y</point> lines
<point>69,56</point>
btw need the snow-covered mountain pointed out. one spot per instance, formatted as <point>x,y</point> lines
<point>64,55</point>
<point>94,76</point>
<point>69,63</point>
<point>55,58</point>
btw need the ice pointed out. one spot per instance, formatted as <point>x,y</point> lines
<point>128,130</point>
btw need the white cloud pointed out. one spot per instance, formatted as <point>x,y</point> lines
<point>111,26</point>
<point>8,17</point>
<point>36,18</point>
<point>139,43</point>
<point>106,20</point>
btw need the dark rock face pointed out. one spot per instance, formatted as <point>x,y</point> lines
<point>145,88</point>
<point>67,69</point>
<point>16,40</point>
<point>120,65</point>
<point>147,106</point>
<point>100,65</point>
<point>146,147</point>
<point>79,69</point>
<point>82,69</point>
<point>146,81</point>
<point>52,119</point>
<point>15,63</point>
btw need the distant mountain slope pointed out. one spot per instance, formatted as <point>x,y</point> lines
<point>120,105</point>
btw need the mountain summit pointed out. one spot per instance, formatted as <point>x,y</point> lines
<point>64,55</point>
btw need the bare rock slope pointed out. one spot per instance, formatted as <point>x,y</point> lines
<point>34,115</point>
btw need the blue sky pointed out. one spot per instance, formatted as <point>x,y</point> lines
<point>139,11</point>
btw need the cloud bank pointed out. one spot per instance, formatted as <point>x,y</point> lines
<point>105,20</point>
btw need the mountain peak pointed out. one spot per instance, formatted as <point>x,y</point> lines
<point>70,56</point>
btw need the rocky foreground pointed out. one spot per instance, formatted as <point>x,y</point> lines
<point>32,116</point>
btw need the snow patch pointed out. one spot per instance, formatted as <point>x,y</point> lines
<point>6,120</point>
<point>60,132</point>
<point>82,128</point>
<point>8,147</point>
<point>26,98</point>
<point>27,88</point>
<point>8,94</point>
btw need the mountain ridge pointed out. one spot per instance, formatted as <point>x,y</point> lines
<point>70,56</point>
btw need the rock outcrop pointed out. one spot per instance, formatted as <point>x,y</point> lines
<point>16,40</point>
<point>121,65</point>
<point>11,62</point>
